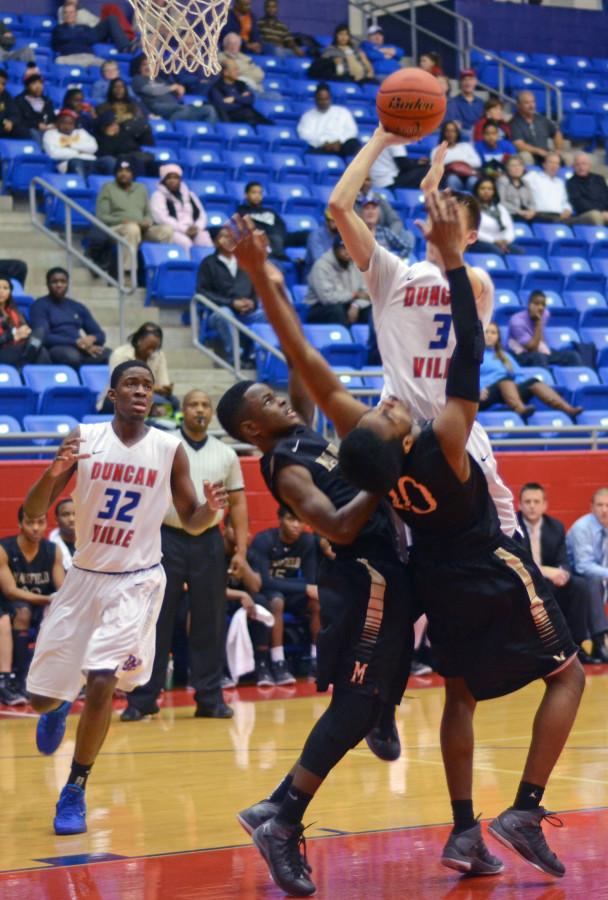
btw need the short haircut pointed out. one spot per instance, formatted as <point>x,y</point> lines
<point>230,409</point>
<point>536,293</point>
<point>531,486</point>
<point>471,204</point>
<point>20,514</point>
<point>252,184</point>
<point>122,367</point>
<point>283,511</point>
<point>368,462</point>
<point>323,86</point>
<point>62,503</point>
<point>56,270</point>
<point>599,491</point>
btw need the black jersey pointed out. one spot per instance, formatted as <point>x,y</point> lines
<point>35,576</point>
<point>304,447</point>
<point>449,519</point>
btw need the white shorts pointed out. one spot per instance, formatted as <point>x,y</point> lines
<point>481,450</point>
<point>98,622</point>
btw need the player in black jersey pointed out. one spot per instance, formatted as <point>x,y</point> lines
<point>493,621</point>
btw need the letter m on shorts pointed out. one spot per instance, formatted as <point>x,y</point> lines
<point>359,673</point>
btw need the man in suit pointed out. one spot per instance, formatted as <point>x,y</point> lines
<point>545,537</point>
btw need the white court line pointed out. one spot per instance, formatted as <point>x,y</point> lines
<point>478,768</point>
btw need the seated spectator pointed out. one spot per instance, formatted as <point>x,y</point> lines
<point>545,538</point>
<point>64,535</point>
<point>145,344</point>
<point>10,694</point>
<point>533,134</point>
<point>393,169</point>
<point>74,99</point>
<point>10,125</point>
<point>222,280</point>
<point>527,341</point>
<point>161,97</point>
<point>375,48</point>
<point>73,149</point>
<point>494,150</point>
<point>462,161</point>
<point>515,193</point>
<point>35,111</point>
<point>69,39</point>
<point>503,380</point>
<point>7,47</point>
<point>265,218</point>
<point>350,62</point>
<point>276,38</point>
<point>242,21</point>
<point>123,205</point>
<point>286,558</point>
<point>69,332</point>
<point>232,99</point>
<point>389,217</point>
<point>400,243</point>
<point>320,240</point>
<point>495,233</point>
<point>587,544</point>
<point>172,204</point>
<point>493,111</point>
<point>86,17</point>
<point>248,72</point>
<point>18,343</point>
<point>328,128</point>
<point>117,143</point>
<point>465,108</point>
<point>129,114</point>
<point>587,193</point>
<point>430,61</point>
<point>14,268</point>
<point>108,71</point>
<point>336,290</point>
<point>549,191</point>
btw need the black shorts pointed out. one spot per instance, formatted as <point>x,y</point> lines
<point>10,607</point>
<point>493,620</point>
<point>366,638</point>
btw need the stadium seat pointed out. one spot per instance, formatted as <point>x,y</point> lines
<point>96,418</point>
<point>526,264</point>
<point>522,230</point>
<point>562,316</point>
<point>594,396</point>
<point>154,255</point>
<point>559,338</point>
<point>574,377</point>
<point>22,161</point>
<point>569,265</point>
<point>60,424</point>
<point>9,376</point>
<point>591,234</point>
<point>595,318</point>
<point>597,417</point>
<point>336,344</point>
<point>552,419</point>
<point>198,254</point>
<point>8,425</point>
<point>505,298</point>
<point>498,419</point>
<point>360,333</point>
<point>540,373</point>
<point>596,336</point>
<point>588,281</point>
<point>95,378</point>
<point>17,401</point>
<point>585,301</point>
<point>269,368</point>
<point>41,377</point>
<point>543,281</point>
<point>507,280</point>
<point>532,246</point>
<point>324,164</point>
<point>488,261</point>
<point>174,283</point>
<point>550,231</point>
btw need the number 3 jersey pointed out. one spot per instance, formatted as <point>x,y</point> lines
<point>121,496</point>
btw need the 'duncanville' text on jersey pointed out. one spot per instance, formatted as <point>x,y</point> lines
<point>121,496</point>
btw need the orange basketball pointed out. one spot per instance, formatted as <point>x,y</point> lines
<point>411,103</point>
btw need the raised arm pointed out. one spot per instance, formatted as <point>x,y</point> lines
<point>193,515</point>
<point>51,483</point>
<point>433,177</point>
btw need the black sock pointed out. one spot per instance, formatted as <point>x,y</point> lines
<point>21,653</point>
<point>79,774</point>
<point>280,792</point>
<point>293,806</point>
<point>463,815</point>
<point>528,795</point>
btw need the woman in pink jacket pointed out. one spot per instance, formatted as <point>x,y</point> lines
<point>173,204</point>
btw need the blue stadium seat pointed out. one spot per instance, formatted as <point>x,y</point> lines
<point>595,318</point>
<point>502,314</point>
<point>297,66</point>
<point>195,130</point>
<point>9,376</point>
<point>95,378</point>
<point>174,283</point>
<point>522,230</point>
<point>559,338</point>
<point>269,368</point>
<point>17,401</point>
<point>275,134</point>
<point>155,255</point>
<point>232,131</point>
<point>526,264</point>
<point>550,231</point>
<point>544,281</point>
<point>552,419</point>
<point>360,333</point>
<point>55,208</point>
<point>96,418</point>
<point>569,265</point>
<point>588,281</point>
<point>196,162</point>
<point>60,424</point>
<point>540,373</point>
<point>597,417</point>
<point>96,182</point>
<point>594,396</point>
<point>579,126</point>
<point>532,246</point>
<point>8,425</point>
<point>41,377</point>
<point>498,419</point>
<point>489,261</point>
<point>603,373</point>
<point>22,161</point>
<point>277,110</point>
<point>598,337</point>
<point>208,189</point>
<point>570,247</point>
<point>507,299</point>
<point>299,223</point>
<point>283,164</point>
<point>198,254</point>
<point>71,400</point>
<point>324,164</point>
<point>507,280</point>
<point>574,377</point>
<point>562,316</point>
<point>336,344</point>
<point>585,301</point>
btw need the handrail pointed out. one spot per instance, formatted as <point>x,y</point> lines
<point>71,251</point>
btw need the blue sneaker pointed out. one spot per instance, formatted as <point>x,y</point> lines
<point>71,811</point>
<point>51,728</point>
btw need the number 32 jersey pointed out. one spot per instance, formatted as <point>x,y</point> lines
<point>121,497</point>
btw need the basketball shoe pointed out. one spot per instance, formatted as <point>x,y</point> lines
<point>520,830</point>
<point>254,816</point>
<point>279,843</point>
<point>71,811</point>
<point>383,739</point>
<point>51,728</point>
<point>467,852</point>
<point>281,673</point>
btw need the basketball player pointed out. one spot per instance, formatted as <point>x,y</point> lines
<point>493,622</point>
<point>100,624</point>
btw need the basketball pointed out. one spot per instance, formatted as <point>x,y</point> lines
<point>410,103</point>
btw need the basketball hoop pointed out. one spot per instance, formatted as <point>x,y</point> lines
<point>180,34</point>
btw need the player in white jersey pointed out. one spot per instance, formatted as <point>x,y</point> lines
<point>411,308</point>
<point>100,626</point>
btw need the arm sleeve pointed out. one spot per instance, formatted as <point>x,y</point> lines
<point>306,131</point>
<point>561,554</point>
<point>463,374</point>
<point>158,210</point>
<point>380,276</point>
<point>104,211</point>
<point>87,144</point>
<point>52,147</point>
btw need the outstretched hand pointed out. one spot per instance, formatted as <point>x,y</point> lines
<point>389,139</point>
<point>67,455</point>
<point>250,244</point>
<point>216,494</point>
<point>444,227</point>
<point>432,179</point>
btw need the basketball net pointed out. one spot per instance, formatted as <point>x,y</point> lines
<point>180,34</point>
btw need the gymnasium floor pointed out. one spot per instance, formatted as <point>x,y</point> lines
<point>163,796</point>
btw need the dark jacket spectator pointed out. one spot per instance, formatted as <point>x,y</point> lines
<point>587,192</point>
<point>533,133</point>
<point>218,283</point>
<point>162,97</point>
<point>130,116</point>
<point>264,217</point>
<point>74,99</point>
<point>465,108</point>
<point>113,142</point>
<point>10,126</point>
<point>18,343</point>
<point>350,62</point>
<point>232,99</point>
<point>274,33</point>
<point>243,22</point>
<point>69,38</point>
<point>35,111</point>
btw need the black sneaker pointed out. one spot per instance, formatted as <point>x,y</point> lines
<point>133,714</point>
<point>9,696</point>
<point>467,852</point>
<point>383,739</point>
<point>520,830</point>
<point>254,816</point>
<point>312,669</point>
<point>263,675</point>
<point>281,673</point>
<point>279,844</point>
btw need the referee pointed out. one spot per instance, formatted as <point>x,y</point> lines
<point>198,560</point>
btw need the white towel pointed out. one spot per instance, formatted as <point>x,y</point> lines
<point>239,649</point>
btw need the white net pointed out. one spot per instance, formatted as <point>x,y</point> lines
<point>180,34</point>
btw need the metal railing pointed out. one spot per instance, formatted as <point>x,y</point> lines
<point>73,252</point>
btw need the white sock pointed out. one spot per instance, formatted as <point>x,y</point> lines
<point>277,654</point>
<point>313,651</point>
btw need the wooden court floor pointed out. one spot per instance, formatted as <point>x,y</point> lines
<point>163,796</point>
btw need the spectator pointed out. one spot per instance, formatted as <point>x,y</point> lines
<point>493,111</point>
<point>527,337</point>
<point>549,191</point>
<point>123,205</point>
<point>430,62</point>
<point>320,239</point>
<point>504,381</point>
<point>587,543</point>
<point>162,98</point>
<point>244,23</point>
<point>587,192</point>
<point>248,72</point>
<point>175,206</point>
<point>336,290</point>
<point>86,17</point>
<point>327,128</point>
<point>495,233</point>
<point>515,193</point>
<point>35,111</point>
<point>108,71</point>
<point>129,114</point>
<point>70,333</point>
<point>10,126</point>
<point>462,161</point>
<point>375,48</point>
<point>64,535</point>
<point>545,538</point>
<point>145,344</point>
<point>394,169</point>
<point>350,62</point>
<point>277,39</point>
<point>389,217</point>
<point>10,695</point>
<point>265,218</point>
<point>7,47</point>
<point>14,268</point>
<point>494,150</point>
<point>232,99</point>
<point>222,281</point>
<point>18,343</point>
<point>74,99</point>
<point>465,108</point>
<point>286,558</point>
<point>73,149</point>
<point>117,143</point>
<point>534,135</point>
<point>399,244</point>
<point>70,39</point>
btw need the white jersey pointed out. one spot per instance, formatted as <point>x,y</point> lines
<point>121,497</point>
